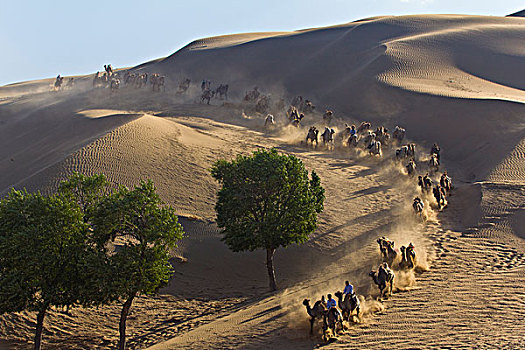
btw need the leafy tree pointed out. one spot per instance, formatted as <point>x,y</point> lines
<point>147,231</point>
<point>266,201</point>
<point>42,247</point>
<point>88,192</point>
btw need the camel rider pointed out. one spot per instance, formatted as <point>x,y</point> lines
<point>332,304</point>
<point>435,150</point>
<point>349,289</point>
<point>352,130</point>
<point>420,182</point>
<point>411,249</point>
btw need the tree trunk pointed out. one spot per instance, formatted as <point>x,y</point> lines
<point>269,265</point>
<point>122,323</point>
<point>39,327</point>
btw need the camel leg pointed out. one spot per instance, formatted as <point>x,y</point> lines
<point>312,325</point>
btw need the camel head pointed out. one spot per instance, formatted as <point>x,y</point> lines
<point>306,302</point>
<point>338,295</point>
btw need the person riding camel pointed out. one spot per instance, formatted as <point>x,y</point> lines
<point>435,150</point>
<point>352,130</point>
<point>445,181</point>
<point>349,289</point>
<point>427,182</point>
<point>420,182</point>
<point>332,304</point>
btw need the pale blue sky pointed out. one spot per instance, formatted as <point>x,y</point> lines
<point>41,38</point>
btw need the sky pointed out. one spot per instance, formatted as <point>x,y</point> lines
<point>43,38</point>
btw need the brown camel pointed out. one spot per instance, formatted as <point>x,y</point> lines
<point>383,276</point>
<point>348,304</point>
<point>331,320</point>
<point>317,312</point>
<point>388,253</point>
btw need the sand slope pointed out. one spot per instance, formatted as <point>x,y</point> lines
<point>457,80</point>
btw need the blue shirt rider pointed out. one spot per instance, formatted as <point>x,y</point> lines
<point>331,302</point>
<point>352,130</point>
<point>349,289</point>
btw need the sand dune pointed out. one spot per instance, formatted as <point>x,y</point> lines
<point>457,80</point>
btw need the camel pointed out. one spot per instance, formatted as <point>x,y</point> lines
<point>364,127</point>
<point>327,116</point>
<point>411,167</point>
<point>439,196</point>
<point>328,137</point>
<point>403,152</point>
<point>399,134</point>
<point>269,121</point>
<point>383,276</point>
<point>295,122</point>
<point>207,95</point>
<point>141,80</point>
<point>130,78</point>
<point>436,150</point>
<point>308,107</point>
<point>58,82</point>
<point>383,136</point>
<point>263,104</point>
<point>157,82</point>
<point>386,246</point>
<point>252,95</point>
<point>348,304</point>
<point>446,182</point>
<point>331,319</point>
<point>114,85</point>
<point>108,69</point>
<point>184,86</point>
<point>375,148</point>
<point>420,183</point>
<point>433,163</point>
<point>410,256</point>
<point>312,135</point>
<point>418,206</point>
<point>353,141</point>
<point>369,138</point>
<point>292,113</point>
<point>205,85</point>
<point>346,132</point>
<point>427,183</point>
<point>222,92</point>
<point>317,312</point>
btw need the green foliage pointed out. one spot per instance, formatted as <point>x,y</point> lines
<point>146,231</point>
<point>266,201</point>
<point>42,247</point>
<point>86,191</point>
<point>58,250</point>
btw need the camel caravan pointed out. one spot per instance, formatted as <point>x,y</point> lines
<point>335,316</point>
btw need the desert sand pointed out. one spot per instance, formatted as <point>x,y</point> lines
<point>453,79</point>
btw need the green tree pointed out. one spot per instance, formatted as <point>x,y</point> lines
<point>266,201</point>
<point>146,230</point>
<point>42,247</point>
<point>88,192</point>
